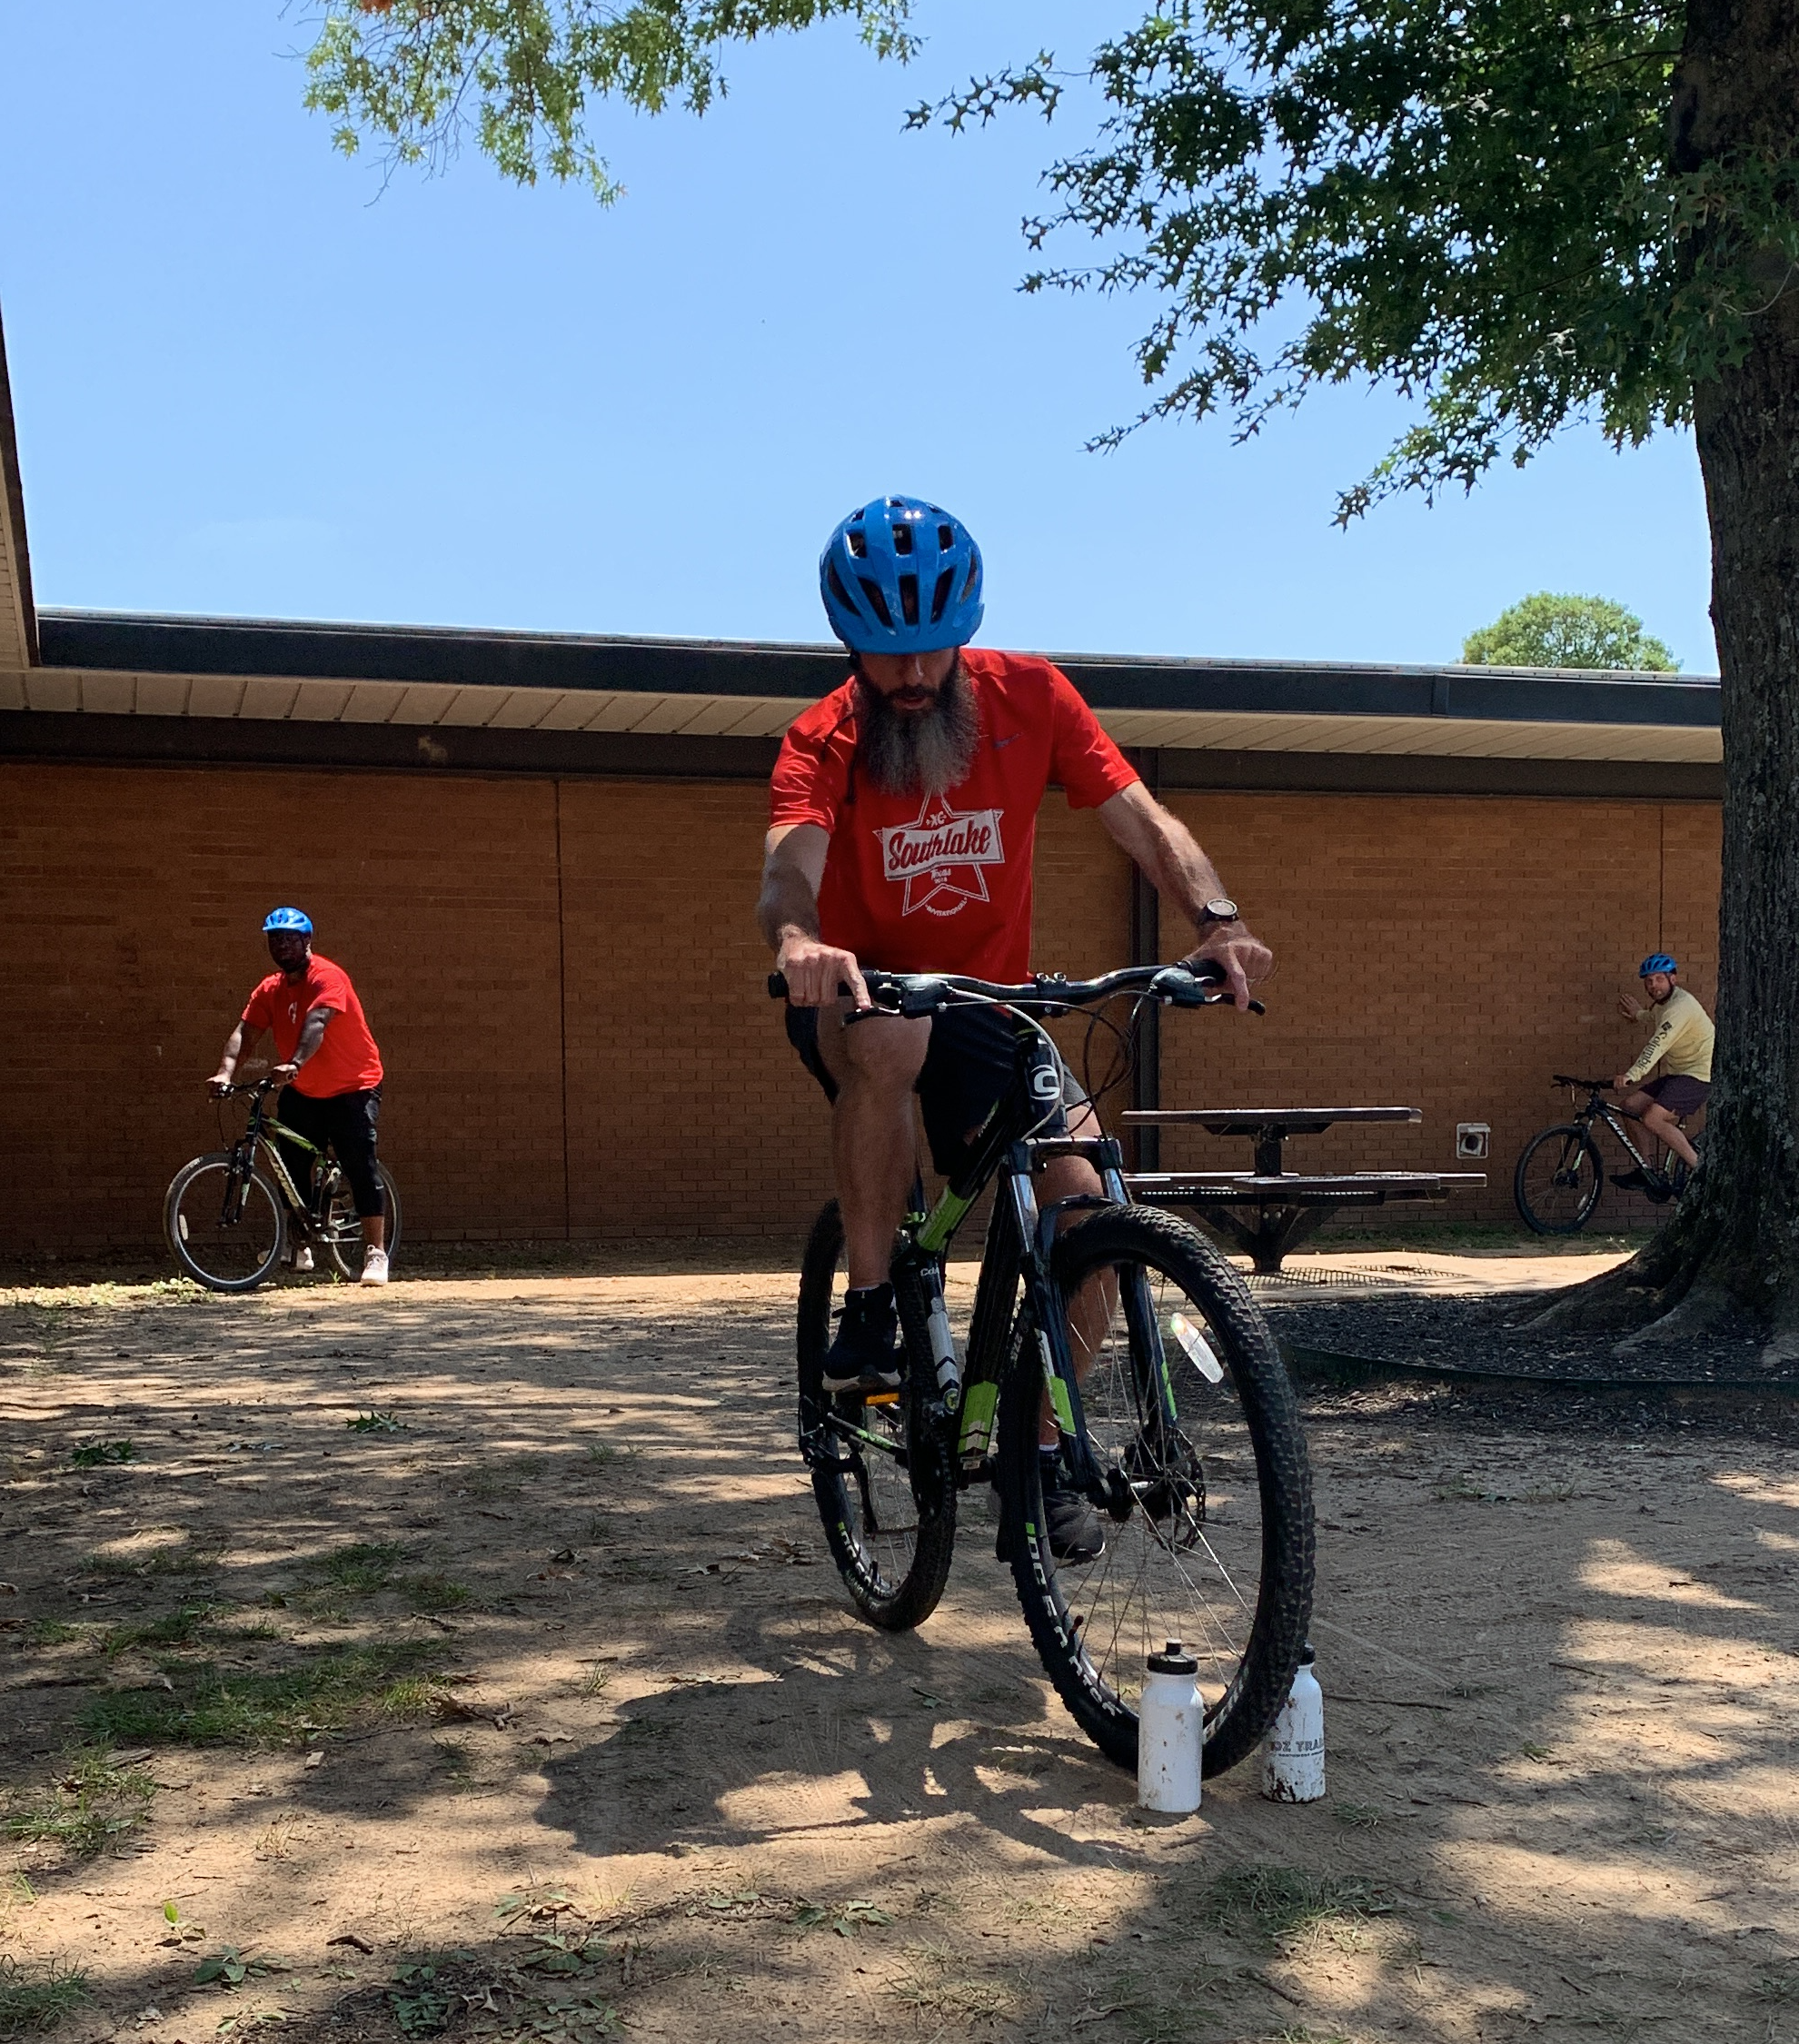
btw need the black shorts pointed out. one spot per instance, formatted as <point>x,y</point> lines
<point>1678,1094</point>
<point>968,1068</point>
<point>347,1121</point>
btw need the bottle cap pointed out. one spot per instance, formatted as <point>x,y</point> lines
<point>1307,1654</point>
<point>1173,1660</point>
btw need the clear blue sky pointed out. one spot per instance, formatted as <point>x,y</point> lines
<point>249,381</point>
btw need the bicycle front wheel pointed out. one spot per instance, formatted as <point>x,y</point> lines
<point>1558,1180</point>
<point>225,1228</point>
<point>882,1475</point>
<point>1193,1420</point>
<point>342,1228</point>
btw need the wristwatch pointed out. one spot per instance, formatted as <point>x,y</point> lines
<point>1221,911</point>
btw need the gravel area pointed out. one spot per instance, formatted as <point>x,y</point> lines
<point>1492,1332</point>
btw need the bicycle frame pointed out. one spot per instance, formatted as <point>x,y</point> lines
<point>261,1138</point>
<point>1021,1237</point>
<point>1614,1117</point>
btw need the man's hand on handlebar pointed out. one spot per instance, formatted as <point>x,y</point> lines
<point>219,1084</point>
<point>814,972</point>
<point>1242,958</point>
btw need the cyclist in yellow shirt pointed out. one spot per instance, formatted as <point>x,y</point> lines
<point>1681,1043</point>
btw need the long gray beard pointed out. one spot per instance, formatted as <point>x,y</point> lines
<point>928,753</point>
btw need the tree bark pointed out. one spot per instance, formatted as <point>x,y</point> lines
<point>1731,1255</point>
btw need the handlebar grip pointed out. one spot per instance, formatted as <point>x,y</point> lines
<point>778,986</point>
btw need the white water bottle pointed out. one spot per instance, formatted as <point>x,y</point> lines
<point>1294,1770</point>
<point>1170,1732</point>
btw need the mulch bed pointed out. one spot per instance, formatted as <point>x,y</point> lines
<point>1492,1334</point>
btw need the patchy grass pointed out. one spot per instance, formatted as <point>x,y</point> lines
<point>32,2001</point>
<point>206,1705</point>
<point>1276,1903</point>
<point>91,1805</point>
<point>97,1455</point>
<point>175,1628</point>
<point>179,1556</point>
<point>435,1592</point>
<point>359,1569</point>
<point>53,1632</point>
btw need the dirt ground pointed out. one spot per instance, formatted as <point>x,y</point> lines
<point>464,1657</point>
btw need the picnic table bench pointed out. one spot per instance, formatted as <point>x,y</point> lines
<point>1287,1206</point>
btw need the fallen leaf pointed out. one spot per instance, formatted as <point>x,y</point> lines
<point>314,1760</point>
<point>351,1938</point>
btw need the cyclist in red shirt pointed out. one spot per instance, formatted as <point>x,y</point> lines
<point>331,1067</point>
<point>902,827</point>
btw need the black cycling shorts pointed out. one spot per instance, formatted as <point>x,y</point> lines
<point>347,1121</point>
<point>966,1069</point>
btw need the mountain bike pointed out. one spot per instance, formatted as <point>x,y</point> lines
<point>1561,1174</point>
<point>230,1216</point>
<point>1173,1412</point>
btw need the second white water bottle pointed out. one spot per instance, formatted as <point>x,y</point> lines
<point>1295,1769</point>
<point>1170,1732</point>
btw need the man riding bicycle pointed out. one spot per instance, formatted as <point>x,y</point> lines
<point>329,1070</point>
<point>902,826</point>
<point>1681,1043</point>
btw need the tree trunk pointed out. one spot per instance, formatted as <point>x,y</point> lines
<point>1731,1255</point>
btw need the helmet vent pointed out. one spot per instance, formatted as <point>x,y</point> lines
<point>837,588</point>
<point>946,538</point>
<point>902,538</point>
<point>877,602</point>
<point>909,598</point>
<point>945,582</point>
<point>859,542</point>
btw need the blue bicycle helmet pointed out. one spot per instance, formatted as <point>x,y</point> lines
<point>287,918</point>
<point>1658,961</point>
<point>902,576</point>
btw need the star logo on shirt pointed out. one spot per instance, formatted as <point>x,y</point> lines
<point>939,857</point>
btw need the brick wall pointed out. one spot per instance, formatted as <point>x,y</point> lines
<point>568,991</point>
<point>1447,954</point>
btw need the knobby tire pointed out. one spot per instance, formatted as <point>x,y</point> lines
<point>197,1192</point>
<point>1255,1652</point>
<point>894,1590</point>
<point>1565,1141</point>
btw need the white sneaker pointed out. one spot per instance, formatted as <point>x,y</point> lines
<point>303,1258</point>
<point>375,1266</point>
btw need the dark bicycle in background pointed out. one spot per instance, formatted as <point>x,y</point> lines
<point>1561,1172</point>
<point>1172,1409</point>
<point>231,1216</point>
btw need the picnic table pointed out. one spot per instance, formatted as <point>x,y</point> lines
<point>1287,1206</point>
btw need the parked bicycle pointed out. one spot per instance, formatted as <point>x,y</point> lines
<point>231,1216</point>
<point>1561,1174</point>
<point>1178,1421</point>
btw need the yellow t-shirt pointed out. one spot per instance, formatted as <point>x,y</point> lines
<point>1681,1043</point>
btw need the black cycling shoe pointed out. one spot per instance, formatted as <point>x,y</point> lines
<point>1073,1525</point>
<point>864,1355</point>
<point>1630,1181</point>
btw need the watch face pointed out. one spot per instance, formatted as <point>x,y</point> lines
<point>1222,910</point>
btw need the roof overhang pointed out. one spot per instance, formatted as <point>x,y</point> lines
<point>279,673</point>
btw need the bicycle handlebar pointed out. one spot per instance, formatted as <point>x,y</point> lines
<point>1587,1085</point>
<point>928,993</point>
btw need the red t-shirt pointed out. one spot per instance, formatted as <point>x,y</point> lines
<point>943,883</point>
<point>346,1061</point>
